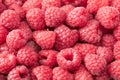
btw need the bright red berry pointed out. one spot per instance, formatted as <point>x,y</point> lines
<point>10,2</point>
<point>116,4</point>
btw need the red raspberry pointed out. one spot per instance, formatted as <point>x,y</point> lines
<point>73,2</point>
<point>9,19</point>
<point>65,37</point>
<point>19,73</point>
<point>114,69</point>
<point>2,7</point>
<point>116,32</point>
<point>35,18</point>
<point>82,74</point>
<point>69,59</point>
<point>27,56</point>
<point>16,39</point>
<point>106,53</point>
<point>33,45</point>
<point>91,32</point>
<point>45,39</point>
<point>48,57</point>
<point>54,16</point>
<point>61,74</point>
<point>10,2</point>
<point>94,64</point>
<point>29,4</point>
<point>116,50</point>
<point>78,17</point>
<point>108,40</point>
<point>94,5</point>
<point>103,76</point>
<point>50,3</point>
<point>7,62</point>
<point>42,73</point>
<point>67,8</point>
<point>85,49</point>
<point>116,4</point>
<point>108,17</point>
<point>26,29</point>
<point>3,34</point>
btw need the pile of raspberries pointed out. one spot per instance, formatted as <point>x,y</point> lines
<point>59,39</point>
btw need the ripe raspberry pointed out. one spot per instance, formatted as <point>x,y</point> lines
<point>54,16</point>
<point>16,39</point>
<point>61,74</point>
<point>91,32</point>
<point>10,2</point>
<point>114,69</point>
<point>116,4</point>
<point>85,49</point>
<point>19,73</point>
<point>65,37</point>
<point>116,50</point>
<point>108,17</point>
<point>67,8</point>
<point>27,56</point>
<point>9,19</point>
<point>2,7</point>
<point>73,2</point>
<point>116,32</point>
<point>108,40</point>
<point>106,53</point>
<point>82,74</point>
<point>35,18</point>
<point>33,45</point>
<point>94,64</point>
<point>29,4</point>
<point>7,62</point>
<point>3,34</point>
<point>42,73</point>
<point>48,57</point>
<point>78,17</point>
<point>50,3</point>
<point>45,39</point>
<point>94,5</point>
<point>103,76</point>
<point>69,59</point>
<point>26,30</point>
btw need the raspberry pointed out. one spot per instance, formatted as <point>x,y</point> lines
<point>9,19</point>
<point>61,74</point>
<point>106,53</point>
<point>103,76</point>
<point>16,39</point>
<point>27,56</point>
<point>94,64</point>
<point>35,18</point>
<point>73,2</point>
<point>42,73</point>
<point>94,5</point>
<point>91,32</point>
<point>82,74</point>
<point>29,4</point>
<point>54,16</point>
<point>116,32</point>
<point>26,30</point>
<point>85,49</point>
<point>78,17</point>
<point>33,45</point>
<point>48,57</point>
<point>7,62</point>
<point>108,17</point>
<point>108,40</point>
<point>65,37</point>
<point>2,7</point>
<point>3,34</point>
<point>50,3</point>
<point>116,50</point>
<point>114,69</point>
<point>19,73</point>
<point>116,4</point>
<point>45,39</point>
<point>69,59</point>
<point>67,8</point>
<point>10,2</point>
